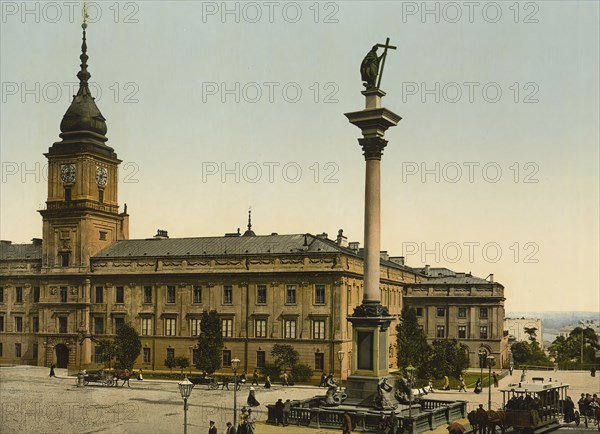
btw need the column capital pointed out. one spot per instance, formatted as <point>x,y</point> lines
<point>373,147</point>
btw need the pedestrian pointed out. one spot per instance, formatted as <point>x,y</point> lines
<point>279,412</point>
<point>461,386</point>
<point>593,371</point>
<point>347,423</point>
<point>446,385</point>
<point>382,423</point>
<point>430,386</point>
<point>255,378</point>
<point>140,376</point>
<point>243,378</point>
<point>323,381</point>
<point>523,376</point>
<point>250,422</point>
<point>212,429</point>
<point>251,401</point>
<point>478,386</point>
<point>511,368</point>
<point>495,376</point>
<point>243,427</point>
<point>125,378</point>
<point>52,373</point>
<point>230,429</point>
<point>268,382</point>
<point>569,409</point>
<point>481,417</point>
<point>287,409</point>
<point>284,379</point>
<point>393,423</point>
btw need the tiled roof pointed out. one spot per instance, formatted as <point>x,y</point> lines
<point>445,275</point>
<point>16,252</point>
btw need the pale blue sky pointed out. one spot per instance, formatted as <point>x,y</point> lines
<point>174,129</point>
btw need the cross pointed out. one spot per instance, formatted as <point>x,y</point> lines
<point>385,47</point>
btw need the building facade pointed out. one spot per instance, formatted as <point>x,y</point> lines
<point>61,293</point>
<point>516,329</point>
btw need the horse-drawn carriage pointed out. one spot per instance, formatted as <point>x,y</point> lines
<point>529,406</point>
<point>106,378</point>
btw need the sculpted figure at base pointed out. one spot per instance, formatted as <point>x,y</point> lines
<point>385,396</point>
<point>332,396</point>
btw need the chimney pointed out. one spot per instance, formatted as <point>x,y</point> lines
<point>397,260</point>
<point>426,270</point>
<point>36,241</point>
<point>492,277</point>
<point>354,246</point>
<point>161,234</point>
<point>341,240</point>
<point>383,254</point>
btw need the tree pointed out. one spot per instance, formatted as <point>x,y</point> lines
<point>286,357</point>
<point>448,358</point>
<point>170,362</point>
<point>210,343</point>
<point>106,352</point>
<point>530,332</point>
<point>127,346</point>
<point>411,343</point>
<point>181,362</point>
<point>568,349</point>
<point>521,352</point>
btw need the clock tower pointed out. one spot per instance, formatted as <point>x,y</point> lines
<point>81,216</point>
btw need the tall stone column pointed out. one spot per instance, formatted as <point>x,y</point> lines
<point>370,320</point>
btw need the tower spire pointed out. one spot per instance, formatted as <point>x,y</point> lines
<point>249,232</point>
<point>83,74</point>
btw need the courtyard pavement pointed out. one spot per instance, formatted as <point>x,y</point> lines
<point>31,402</point>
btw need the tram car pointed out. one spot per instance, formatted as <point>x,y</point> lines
<point>532,405</point>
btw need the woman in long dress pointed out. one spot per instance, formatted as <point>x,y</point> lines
<point>251,401</point>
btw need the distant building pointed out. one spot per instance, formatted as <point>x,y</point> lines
<point>584,324</point>
<point>516,329</point>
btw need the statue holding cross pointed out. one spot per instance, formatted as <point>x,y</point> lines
<point>370,71</point>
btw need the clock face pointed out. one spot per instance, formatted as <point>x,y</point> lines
<point>67,173</point>
<point>101,176</point>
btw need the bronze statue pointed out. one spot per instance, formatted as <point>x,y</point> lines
<point>385,395</point>
<point>369,68</point>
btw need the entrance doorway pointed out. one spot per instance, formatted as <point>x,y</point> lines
<point>62,356</point>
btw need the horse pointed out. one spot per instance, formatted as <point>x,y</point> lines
<point>124,376</point>
<point>496,418</point>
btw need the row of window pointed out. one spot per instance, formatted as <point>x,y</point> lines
<point>19,294</point>
<point>462,312</point>
<point>462,332</point>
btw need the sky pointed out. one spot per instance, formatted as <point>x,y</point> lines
<point>216,107</point>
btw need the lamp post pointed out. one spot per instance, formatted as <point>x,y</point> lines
<point>410,373</point>
<point>185,388</point>
<point>490,362</point>
<point>482,354</point>
<point>235,364</point>
<point>191,357</point>
<point>340,355</point>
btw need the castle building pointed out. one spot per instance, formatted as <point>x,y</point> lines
<point>85,277</point>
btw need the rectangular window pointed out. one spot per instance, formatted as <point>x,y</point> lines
<point>319,294</point>
<point>35,351</point>
<point>289,329</point>
<point>119,322</point>
<point>1,295</point>
<point>19,324</point>
<point>462,332</point>
<point>260,328</point>
<point>261,294</point>
<point>441,331</point>
<point>18,294</point>
<point>146,326</point>
<point>349,297</point>
<point>102,235</point>
<point>63,294</point>
<point>36,294</point>
<point>195,327</point>
<point>226,357</point>
<point>319,361</point>
<point>318,329</point>
<point>99,295</point>
<point>17,350</point>
<point>64,259</point>
<point>197,294</point>
<point>97,354</point>
<point>290,297</point>
<point>120,295</point>
<point>419,311</point>
<point>147,294</point>
<point>1,323</point>
<point>440,311</point>
<point>171,294</point>
<point>35,324</point>
<point>227,294</point>
<point>227,328</point>
<point>170,353</point>
<point>101,196</point>
<point>67,194</point>
<point>483,312</point>
<point>462,312</point>
<point>147,354</point>
<point>483,332</point>
<point>260,359</point>
<point>170,325</point>
<point>62,324</point>
<point>98,325</point>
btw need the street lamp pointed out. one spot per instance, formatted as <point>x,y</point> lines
<point>185,388</point>
<point>235,364</point>
<point>490,362</point>
<point>340,355</point>
<point>482,355</point>
<point>410,373</point>
<point>191,357</point>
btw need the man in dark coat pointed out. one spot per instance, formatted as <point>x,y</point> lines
<point>279,412</point>
<point>212,429</point>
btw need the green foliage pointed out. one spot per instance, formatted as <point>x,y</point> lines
<point>530,332</point>
<point>210,343</point>
<point>568,350</point>
<point>521,352</point>
<point>170,362</point>
<point>272,370</point>
<point>181,362</point>
<point>107,351</point>
<point>412,345</point>
<point>529,353</point>
<point>286,357</point>
<point>448,358</point>
<point>301,373</point>
<point>127,346</point>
